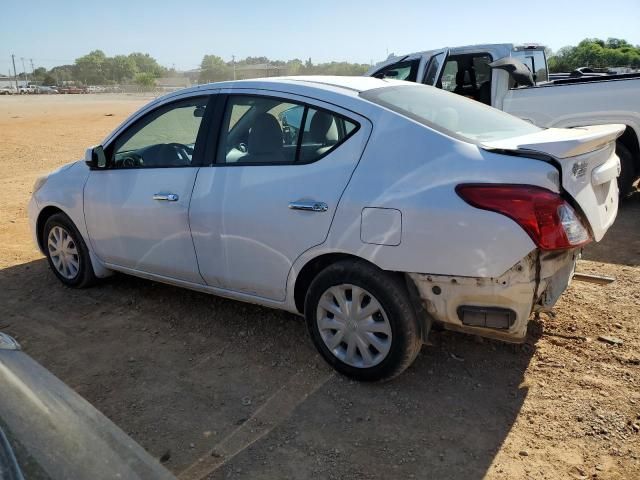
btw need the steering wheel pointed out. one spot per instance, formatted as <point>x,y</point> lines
<point>184,152</point>
<point>131,160</point>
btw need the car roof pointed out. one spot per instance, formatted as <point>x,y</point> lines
<point>336,84</point>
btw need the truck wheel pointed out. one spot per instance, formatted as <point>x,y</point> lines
<point>628,170</point>
<point>362,321</point>
<point>67,253</point>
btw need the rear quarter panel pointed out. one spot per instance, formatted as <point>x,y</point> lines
<point>414,169</point>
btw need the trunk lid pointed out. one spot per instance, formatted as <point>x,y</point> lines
<point>589,166</point>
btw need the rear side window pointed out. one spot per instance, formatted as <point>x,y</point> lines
<point>451,114</point>
<point>537,63</point>
<point>266,131</point>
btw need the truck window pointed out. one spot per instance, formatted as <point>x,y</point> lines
<point>536,60</point>
<point>468,75</point>
<point>449,75</point>
<point>432,69</point>
<point>482,69</point>
<point>406,70</point>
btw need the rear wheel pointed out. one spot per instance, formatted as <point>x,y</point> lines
<point>628,170</point>
<point>66,252</point>
<point>361,320</point>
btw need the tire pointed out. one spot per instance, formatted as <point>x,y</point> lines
<point>72,265</point>
<point>388,355</point>
<point>628,170</point>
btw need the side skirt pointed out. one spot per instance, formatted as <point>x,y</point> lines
<point>221,292</point>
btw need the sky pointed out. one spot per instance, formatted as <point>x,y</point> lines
<point>179,34</point>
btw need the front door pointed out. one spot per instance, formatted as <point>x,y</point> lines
<point>272,189</point>
<point>137,209</point>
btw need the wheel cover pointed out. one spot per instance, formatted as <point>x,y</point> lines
<point>354,326</point>
<point>63,252</point>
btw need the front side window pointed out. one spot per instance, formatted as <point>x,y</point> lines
<point>164,138</point>
<point>264,130</point>
<point>407,70</point>
<point>449,74</point>
<point>453,115</point>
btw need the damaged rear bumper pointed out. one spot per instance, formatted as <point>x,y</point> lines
<point>497,307</point>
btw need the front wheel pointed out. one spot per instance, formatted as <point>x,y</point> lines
<point>66,252</point>
<point>361,320</point>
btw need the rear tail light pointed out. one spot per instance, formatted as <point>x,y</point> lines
<point>548,219</point>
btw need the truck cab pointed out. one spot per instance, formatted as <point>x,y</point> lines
<point>466,70</point>
<point>481,72</point>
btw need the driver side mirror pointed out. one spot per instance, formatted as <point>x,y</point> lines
<point>95,157</point>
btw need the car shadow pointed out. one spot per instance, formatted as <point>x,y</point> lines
<point>621,244</point>
<point>181,371</point>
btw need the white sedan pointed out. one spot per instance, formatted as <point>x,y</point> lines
<point>372,207</point>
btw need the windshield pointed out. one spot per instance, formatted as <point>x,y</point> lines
<point>449,113</point>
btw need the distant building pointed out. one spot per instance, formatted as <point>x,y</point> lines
<point>173,83</point>
<point>6,81</point>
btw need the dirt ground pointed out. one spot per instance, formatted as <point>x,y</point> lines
<point>229,390</point>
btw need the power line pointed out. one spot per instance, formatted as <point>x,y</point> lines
<point>15,77</point>
<point>24,71</point>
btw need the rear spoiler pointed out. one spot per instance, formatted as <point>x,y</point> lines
<point>563,143</point>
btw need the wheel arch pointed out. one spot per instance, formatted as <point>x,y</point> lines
<point>43,216</point>
<point>630,140</point>
<point>314,266</point>
<point>309,271</point>
<point>99,269</point>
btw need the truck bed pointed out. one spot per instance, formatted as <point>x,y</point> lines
<point>579,101</point>
<point>590,78</point>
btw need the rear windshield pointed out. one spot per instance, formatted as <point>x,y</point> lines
<point>450,113</point>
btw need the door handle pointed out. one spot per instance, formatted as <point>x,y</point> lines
<point>309,206</point>
<point>167,197</point>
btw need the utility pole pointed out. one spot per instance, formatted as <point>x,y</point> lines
<point>15,77</point>
<point>233,62</point>
<point>31,60</point>
<point>24,71</point>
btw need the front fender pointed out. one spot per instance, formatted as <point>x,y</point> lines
<point>63,191</point>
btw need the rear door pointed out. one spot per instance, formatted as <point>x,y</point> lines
<point>272,187</point>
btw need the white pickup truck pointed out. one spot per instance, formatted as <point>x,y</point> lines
<point>27,89</point>
<point>491,74</point>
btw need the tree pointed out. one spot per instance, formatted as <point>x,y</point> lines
<point>89,69</point>
<point>294,66</point>
<point>145,63</point>
<point>39,73</point>
<point>145,80</point>
<point>62,73</point>
<point>593,52</point>
<point>214,69</point>
<point>120,68</point>
<point>48,80</point>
